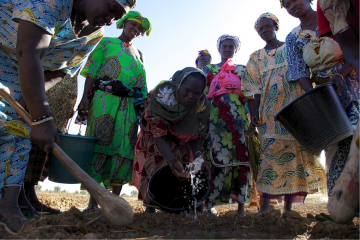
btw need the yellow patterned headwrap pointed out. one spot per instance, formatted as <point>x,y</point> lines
<point>136,16</point>
<point>127,4</point>
<point>282,2</point>
<point>267,15</point>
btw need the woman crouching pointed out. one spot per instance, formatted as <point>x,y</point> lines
<point>172,125</point>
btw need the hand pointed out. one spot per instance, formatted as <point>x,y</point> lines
<point>255,119</point>
<point>44,135</point>
<point>83,108</point>
<point>179,171</point>
<point>339,83</point>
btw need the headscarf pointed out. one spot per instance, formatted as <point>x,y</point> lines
<point>186,123</point>
<point>235,39</point>
<point>282,2</point>
<point>137,17</point>
<point>127,4</point>
<point>267,15</point>
<point>202,53</point>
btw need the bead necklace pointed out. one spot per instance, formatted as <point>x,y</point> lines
<point>308,25</point>
<point>82,27</point>
<point>277,46</point>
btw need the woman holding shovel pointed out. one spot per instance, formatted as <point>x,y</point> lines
<point>38,36</point>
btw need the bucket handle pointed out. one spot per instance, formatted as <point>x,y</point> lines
<point>68,126</point>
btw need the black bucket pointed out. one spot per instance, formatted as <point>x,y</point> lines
<point>174,196</point>
<point>316,119</point>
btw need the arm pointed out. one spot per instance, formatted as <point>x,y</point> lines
<point>142,57</point>
<point>32,43</point>
<point>165,151</point>
<point>338,80</point>
<point>52,78</point>
<point>252,84</point>
<point>297,68</point>
<point>305,83</point>
<point>90,72</point>
<point>83,107</point>
<point>254,110</point>
<point>349,44</point>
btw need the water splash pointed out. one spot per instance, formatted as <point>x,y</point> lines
<point>196,183</point>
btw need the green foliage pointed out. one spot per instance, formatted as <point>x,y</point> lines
<point>84,192</point>
<point>57,189</point>
<point>38,187</point>
<point>134,193</point>
<point>123,195</point>
<point>77,192</point>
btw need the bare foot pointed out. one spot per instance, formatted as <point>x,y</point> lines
<point>10,213</point>
<point>13,222</point>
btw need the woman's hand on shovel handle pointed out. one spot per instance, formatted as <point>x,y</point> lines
<point>44,135</point>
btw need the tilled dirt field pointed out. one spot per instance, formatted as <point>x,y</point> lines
<point>294,225</point>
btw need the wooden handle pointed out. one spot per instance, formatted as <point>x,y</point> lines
<point>16,106</point>
<point>116,209</point>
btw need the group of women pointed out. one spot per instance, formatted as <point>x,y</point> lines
<point>199,112</point>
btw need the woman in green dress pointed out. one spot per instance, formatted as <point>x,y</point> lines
<point>116,81</point>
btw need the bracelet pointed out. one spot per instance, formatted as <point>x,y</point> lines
<point>42,121</point>
<point>338,74</point>
<point>43,117</point>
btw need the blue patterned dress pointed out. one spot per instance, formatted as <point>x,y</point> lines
<point>337,155</point>
<point>66,52</point>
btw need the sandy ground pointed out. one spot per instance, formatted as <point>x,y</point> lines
<point>295,225</point>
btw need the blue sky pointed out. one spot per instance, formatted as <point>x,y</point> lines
<point>182,28</point>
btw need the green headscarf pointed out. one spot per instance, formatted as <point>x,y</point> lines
<point>186,123</point>
<point>136,16</point>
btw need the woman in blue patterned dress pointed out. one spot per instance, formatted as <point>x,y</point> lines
<point>309,64</point>
<point>38,36</point>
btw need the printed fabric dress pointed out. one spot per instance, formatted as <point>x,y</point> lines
<point>66,52</point>
<point>284,167</point>
<point>148,159</point>
<point>301,48</point>
<point>112,119</point>
<point>226,153</point>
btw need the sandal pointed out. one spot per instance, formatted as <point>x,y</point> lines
<point>322,217</point>
<point>48,210</point>
<point>90,210</point>
<point>26,210</point>
<point>12,223</point>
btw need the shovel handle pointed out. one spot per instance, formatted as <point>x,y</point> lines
<point>16,106</point>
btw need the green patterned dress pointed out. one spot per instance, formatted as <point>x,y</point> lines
<point>226,151</point>
<point>112,119</point>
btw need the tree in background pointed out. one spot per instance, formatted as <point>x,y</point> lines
<point>57,189</point>
<point>134,193</point>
